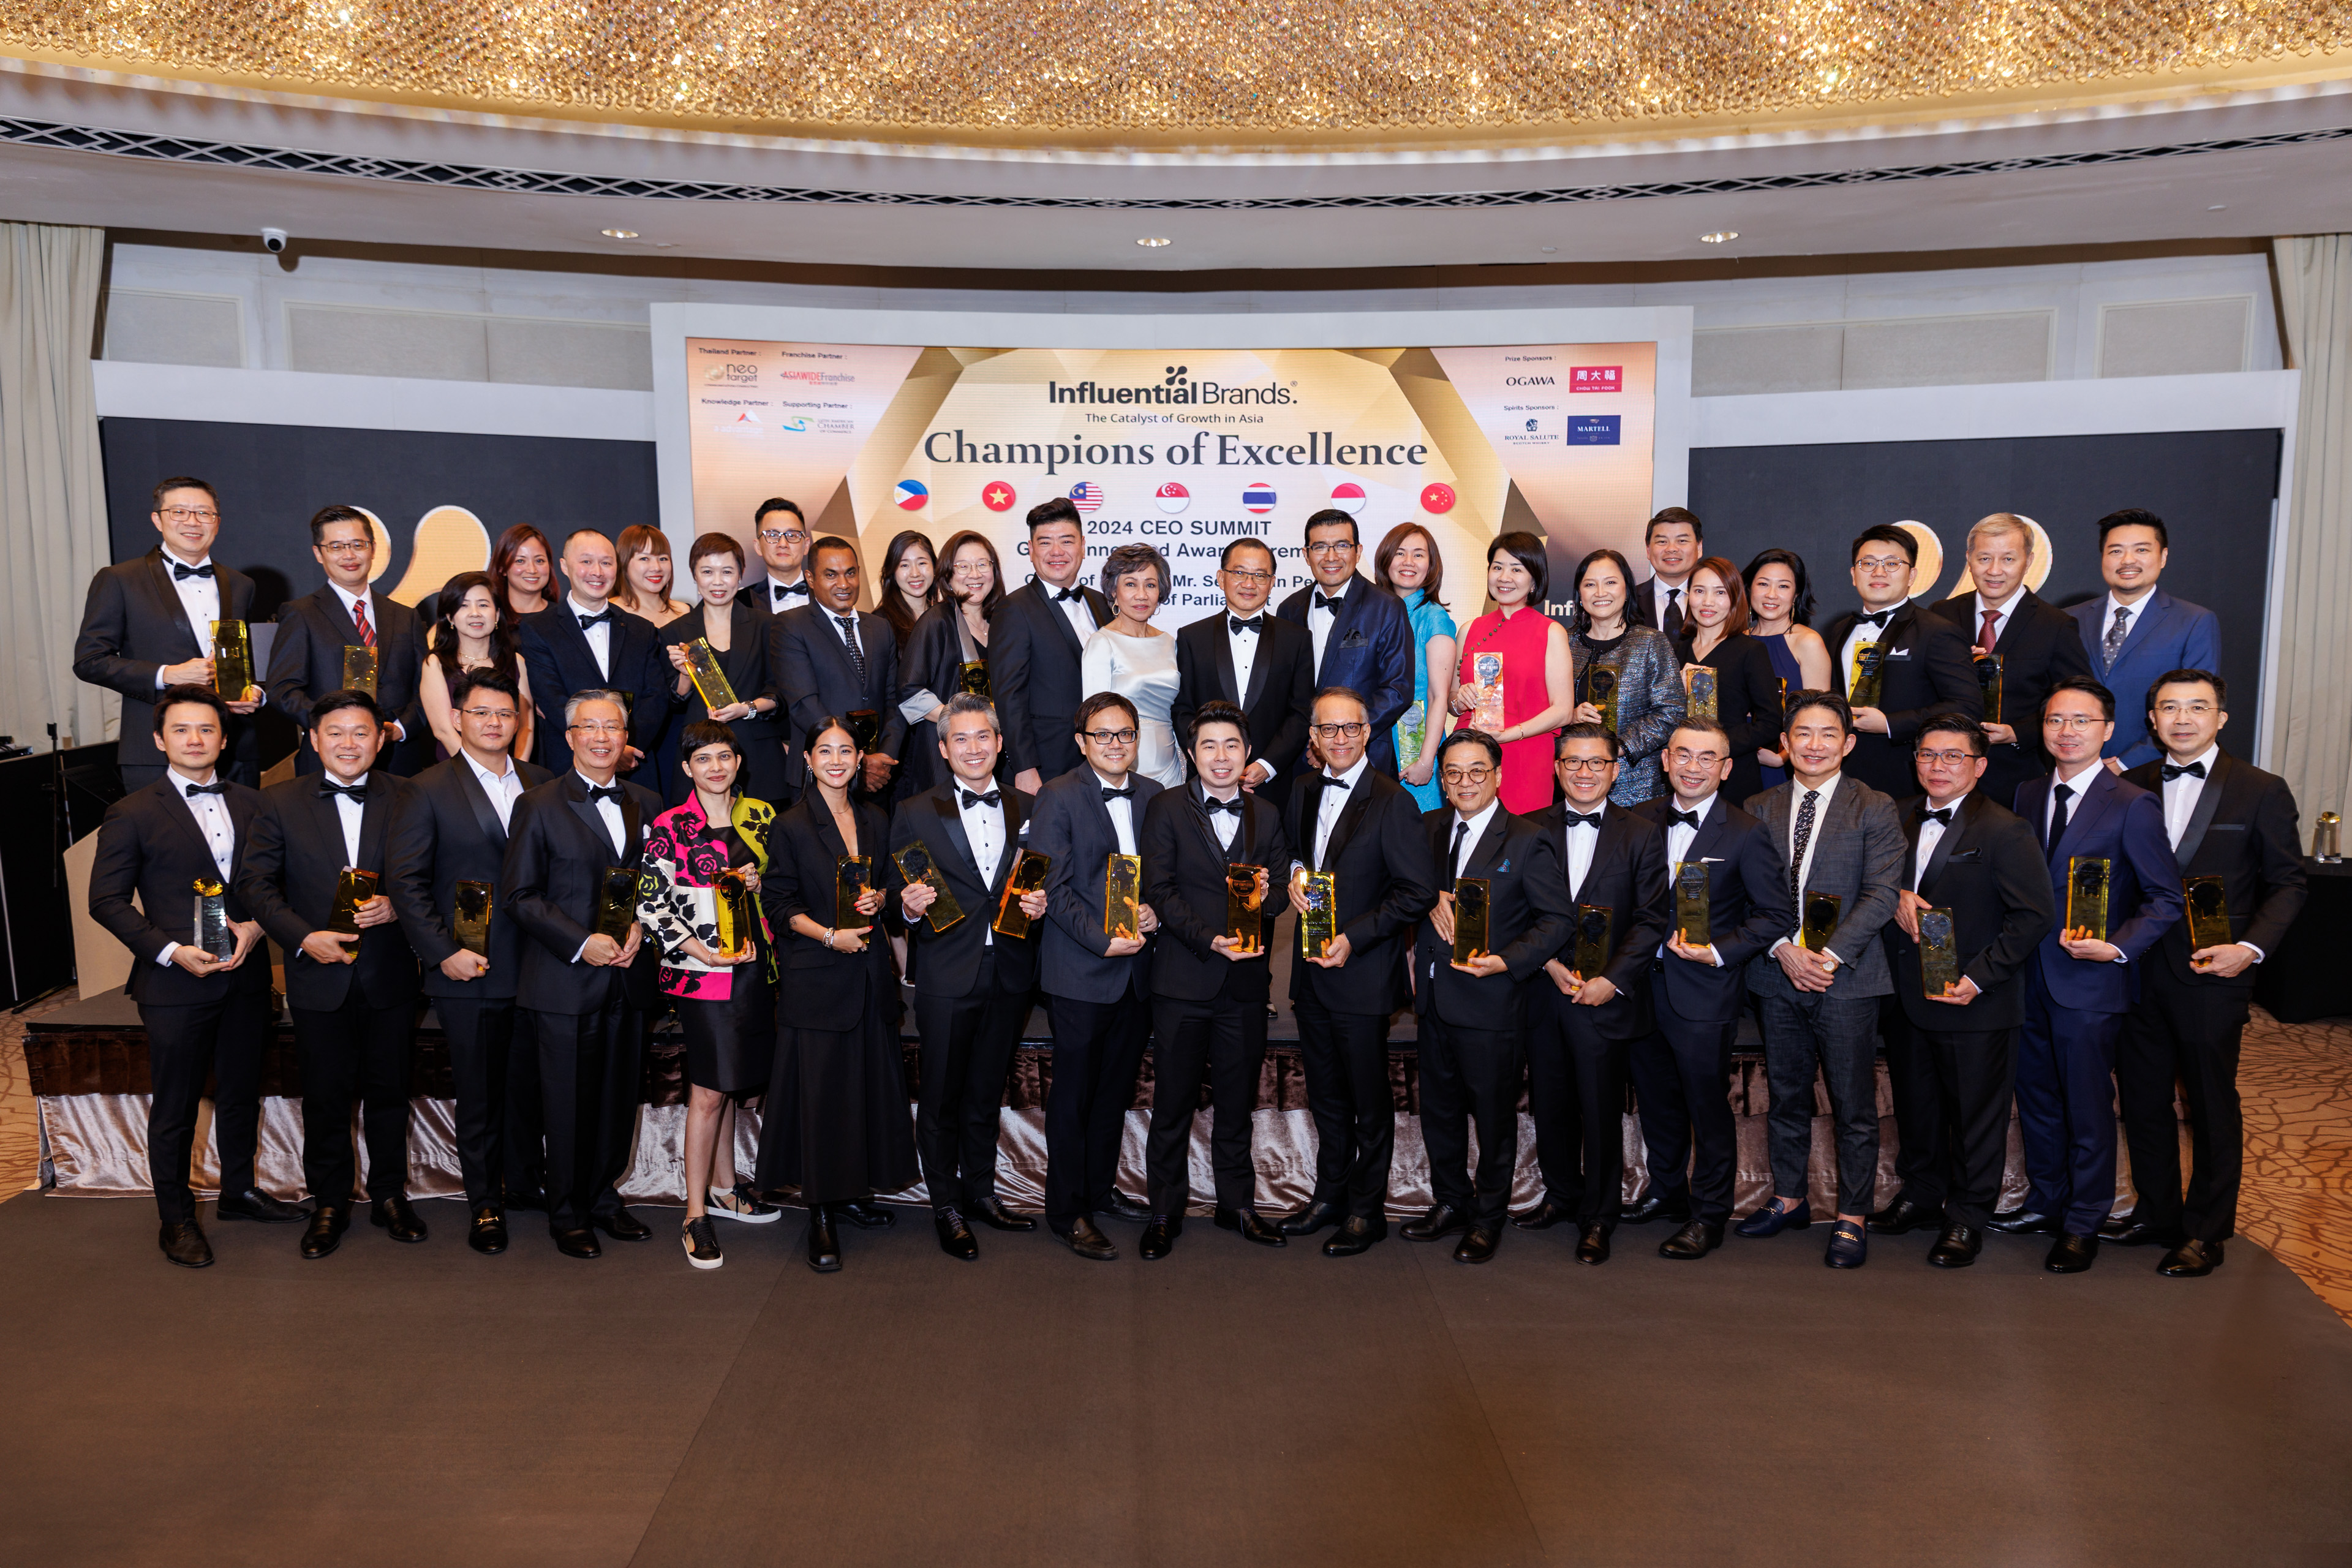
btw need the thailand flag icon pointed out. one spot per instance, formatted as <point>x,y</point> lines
<point>1257,497</point>
<point>1172,498</point>
<point>1086,495</point>
<point>1350,497</point>
<point>910,495</point>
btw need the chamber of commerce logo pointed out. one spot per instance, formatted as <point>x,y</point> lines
<point>1348,496</point>
<point>998,496</point>
<point>1438,498</point>
<point>912,495</point>
<point>1172,498</point>
<point>1596,378</point>
<point>1087,495</point>
<point>1257,497</point>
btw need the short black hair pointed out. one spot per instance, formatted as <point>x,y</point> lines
<point>1100,702</point>
<point>183,483</point>
<point>2134,517</point>
<point>1586,729</point>
<point>1226,556</point>
<point>777,504</point>
<point>1887,533</point>
<point>1216,711</point>
<point>2191,678</point>
<point>1350,692</point>
<point>2085,684</point>
<point>1061,508</point>
<point>1478,738</point>
<point>1528,551</point>
<point>1833,700</point>
<point>1959,724</point>
<point>336,701</point>
<point>1332,517</point>
<point>173,695</point>
<point>486,679</point>
<point>334,514</point>
<point>831,541</point>
<point>1675,514</point>
<point>703,732</point>
<point>1704,726</point>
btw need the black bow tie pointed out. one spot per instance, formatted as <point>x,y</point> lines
<point>1212,804</point>
<point>181,573</point>
<point>2194,771</point>
<point>1331,604</point>
<point>1255,624</point>
<point>1876,618</point>
<point>1127,794</point>
<point>1578,819</point>
<point>1063,595</point>
<point>1943,817</point>
<point>786,590</point>
<point>602,618</point>
<point>604,792</point>
<point>972,801</point>
<point>328,791</point>
<point>1332,781</point>
<point>219,787</point>
<point>1686,818</point>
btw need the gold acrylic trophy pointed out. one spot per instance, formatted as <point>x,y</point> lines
<point>232,659</point>
<point>213,935</point>
<point>1471,895</point>
<point>731,912</point>
<point>1867,662</point>
<point>1693,910</point>
<point>1029,869</point>
<point>1589,949</point>
<point>864,727</point>
<point>355,888</point>
<point>616,903</point>
<point>852,875</point>
<point>1123,897</point>
<point>2086,895</point>
<point>1600,690</point>
<point>709,679</point>
<point>2209,913</point>
<point>359,669</point>
<point>1989,682</point>
<point>1820,922</point>
<point>469,916</point>
<point>1701,706</point>
<point>1319,926</point>
<point>1243,922</point>
<point>914,863</point>
<point>972,677</point>
<point>1486,693</point>
<point>1939,959</point>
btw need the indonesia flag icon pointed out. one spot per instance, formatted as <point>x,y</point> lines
<point>910,495</point>
<point>1349,498</point>
<point>1086,495</point>
<point>1172,498</point>
<point>1257,497</point>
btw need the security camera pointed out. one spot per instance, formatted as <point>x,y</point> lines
<point>273,240</point>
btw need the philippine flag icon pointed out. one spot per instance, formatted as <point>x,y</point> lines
<point>910,495</point>
<point>1350,497</point>
<point>1257,497</point>
<point>1172,498</point>
<point>1086,495</point>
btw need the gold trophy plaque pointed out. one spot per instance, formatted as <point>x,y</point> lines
<point>1989,682</point>
<point>616,903</point>
<point>1029,869</point>
<point>2209,912</point>
<point>731,912</point>
<point>359,669</point>
<point>469,916</point>
<point>1123,897</point>
<point>864,727</point>
<point>354,889</point>
<point>1600,690</point>
<point>1588,948</point>
<point>1703,705</point>
<point>2087,895</point>
<point>211,932</point>
<point>1486,693</point>
<point>914,863</point>
<point>1940,958</point>
<point>1821,919</point>
<point>1471,903</point>
<point>1244,924</point>
<point>709,679</point>
<point>1868,662</point>
<point>232,659</point>
<point>1319,926</point>
<point>852,875</point>
<point>1693,907</point>
<point>972,677</point>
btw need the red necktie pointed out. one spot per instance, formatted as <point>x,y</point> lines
<point>1985,638</point>
<point>359,617</point>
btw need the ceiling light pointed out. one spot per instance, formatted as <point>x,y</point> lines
<point>620,233</point>
<point>1153,242</point>
<point>1719,237</point>
<point>1551,250</point>
<point>2217,207</point>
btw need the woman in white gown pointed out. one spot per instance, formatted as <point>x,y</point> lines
<point>1135,658</point>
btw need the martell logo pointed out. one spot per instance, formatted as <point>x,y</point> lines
<point>1596,378</point>
<point>1595,429</point>
<point>1175,386</point>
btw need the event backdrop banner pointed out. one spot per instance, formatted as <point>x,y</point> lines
<point>1183,449</point>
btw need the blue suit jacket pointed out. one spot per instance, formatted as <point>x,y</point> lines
<point>1070,823</point>
<point>1371,652</point>
<point>2168,634</point>
<point>2125,824</point>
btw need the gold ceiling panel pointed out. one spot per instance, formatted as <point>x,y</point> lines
<point>1188,69</point>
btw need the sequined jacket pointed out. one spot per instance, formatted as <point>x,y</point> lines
<point>1650,698</point>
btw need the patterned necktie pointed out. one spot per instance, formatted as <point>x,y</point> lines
<point>2114,643</point>
<point>1985,639</point>
<point>1454,855</point>
<point>1797,850</point>
<point>856,655</point>
<point>2063,793</point>
<point>360,619</point>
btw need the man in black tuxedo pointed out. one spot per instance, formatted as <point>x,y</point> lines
<point>781,536</point>
<point>1208,1006</point>
<point>148,624</point>
<point>1952,1055</point>
<point>583,642</point>
<point>1361,636</point>
<point>1357,823</point>
<point>1261,663</point>
<point>352,996</point>
<point>203,1015</point>
<point>1682,1068</point>
<point>2038,643</point>
<point>1100,984</point>
<point>1613,864</point>
<point>1035,636</point>
<point>314,632</point>
<point>1473,1010</point>
<point>831,657</point>
<point>1924,668</point>
<point>584,990</point>
<point>2228,819</point>
<point>452,828</point>
<point>1674,540</point>
<point>972,982</point>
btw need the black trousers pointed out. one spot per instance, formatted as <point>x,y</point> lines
<point>1682,1087</point>
<point>1576,1096</point>
<point>1470,1079</point>
<point>225,1040</point>
<point>1809,1034</point>
<point>2190,1033</point>
<point>1346,1058</point>
<point>354,1052</point>
<point>967,1052</point>
<point>588,1068</point>
<point>1098,1051</point>
<point>496,1066</point>
<point>1222,1044</point>
<point>1951,1114</point>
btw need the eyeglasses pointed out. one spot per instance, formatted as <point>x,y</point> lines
<point>1587,765</point>
<point>190,515</point>
<point>347,547</point>
<point>1333,547</point>
<point>2072,722</point>
<point>1466,775</point>
<point>1341,732</point>
<point>2190,710</point>
<point>479,714</point>
<point>1882,564</point>
<point>598,727</point>
<point>1696,758</point>
<point>1255,579</point>
<point>1948,758</point>
<point>1111,737</point>
<point>783,535</point>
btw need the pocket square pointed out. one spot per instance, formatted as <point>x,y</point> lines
<point>2225,828</point>
<point>1959,854</point>
<point>1899,653</point>
<point>1355,639</point>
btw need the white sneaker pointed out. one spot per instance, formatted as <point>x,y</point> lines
<point>741,1203</point>
<point>700,1238</point>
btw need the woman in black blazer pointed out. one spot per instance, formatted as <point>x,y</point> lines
<point>739,636</point>
<point>837,1124</point>
<point>933,654</point>
<point>1714,636</point>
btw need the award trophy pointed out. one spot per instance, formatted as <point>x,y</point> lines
<point>232,659</point>
<point>1243,922</point>
<point>1589,951</point>
<point>616,904</point>
<point>355,888</point>
<point>1470,906</point>
<point>2327,839</point>
<point>469,916</point>
<point>731,912</point>
<point>1694,911</point>
<point>702,661</point>
<point>1320,924</point>
<point>1702,704</point>
<point>1412,734</point>
<point>359,669</point>
<point>1867,660</point>
<point>1600,690</point>
<point>1486,695</point>
<point>1784,697</point>
<point>1939,960</point>
<point>852,875</point>
<point>2209,912</point>
<point>972,677</point>
<point>1029,869</point>
<point>211,932</point>
<point>1821,921</point>
<point>864,727</point>
<point>1122,896</point>
<point>2087,895</point>
<point>1989,682</point>
<point>914,863</point>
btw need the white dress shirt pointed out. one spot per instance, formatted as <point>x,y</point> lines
<point>616,829</point>
<point>1321,619</point>
<point>1226,823</point>
<point>1578,844</point>
<point>1074,609</point>
<point>1470,840</point>
<point>1660,589</point>
<point>1822,796</point>
<point>2077,789</point>
<point>2001,613</point>
<point>348,812</point>
<point>2181,794</point>
<point>504,789</point>
<point>1335,801</point>
<point>983,829</point>
<point>1678,842</point>
<point>211,812</point>
<point>352,601</point>
<point>779,600</point>
<point>599,637</point>
<point>1122,811</point>
<point>200,600</point>
<point>1931,832</point>
<point>1244,645</point>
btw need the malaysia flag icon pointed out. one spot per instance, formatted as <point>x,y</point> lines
<point>1086,495</point>
<point>912,495</point>
<point>1257,497</point>
<point>1350,497</point>
<point>1172,498</point>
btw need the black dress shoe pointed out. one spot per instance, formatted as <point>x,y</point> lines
<point>823,1246</point>
<point>955,1237</point>
<point>1160,1239</point>
<point>183,1243</point>
<point>2022,1222</point>
<point>996,1216</point>
<point>325,1231</point>
<point>1477,1243</point>
<point>1902,1217</point>
<point>1695,1240</point>
<point>581,1242</point>
<point>2129,1231</point>
<point>1251,1228</point>
<point>1356,1234</point>
<point>864,1214</point>
<point>1087,1242</point>
<point>1544,1215</point>
<point>487,1233</point>
<point>2072,1254</point>
<point>1674,1206</point>
<point>1122,1206</point>
<point>533,1199</point>
<point>622,1226</point>
<point>1311,1219</point>
<point>395,1215</point>
<point>254,1203</point>
<point>1958,1247</point>
<point>1439,1221</point>
<point>1592,1244</point>
<point>2189,1260</point>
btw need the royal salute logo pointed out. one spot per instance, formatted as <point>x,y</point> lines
<point>1175,387</point>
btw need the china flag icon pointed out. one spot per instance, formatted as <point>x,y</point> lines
<point>1437,499</point>
<point>998,496</point>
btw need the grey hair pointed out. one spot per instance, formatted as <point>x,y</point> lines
<point>969,702</point>
<point>593,694</point>
<point>1129,558</point>
<point>2003,522</point>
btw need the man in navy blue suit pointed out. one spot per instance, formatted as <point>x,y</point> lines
<point>2137,631</point>
<point>584,643</point>
<point>1362,640</point>
<point>2081,982</point>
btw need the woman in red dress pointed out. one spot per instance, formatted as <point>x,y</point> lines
<point>1538,671</point>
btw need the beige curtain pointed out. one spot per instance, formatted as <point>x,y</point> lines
<point>52,489</point>
<point>2311,742</point>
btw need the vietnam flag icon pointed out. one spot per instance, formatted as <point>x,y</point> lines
<point>997,496</point>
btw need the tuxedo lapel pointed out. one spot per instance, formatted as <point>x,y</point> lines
<point>1963,822</point>
<point>1360,801</point>
<point>339,620</point>
<point>1221,644</point>
<point>2153,614</point>
<point>952,828</point>
<point>1061,622</point>
<point>478,801</point>
<point>176,807</point>
<point>1710,836</point>
<point>2097,798</point>
<point>167,599</point>
<point>1491,842</point>
<point>2208,804</point>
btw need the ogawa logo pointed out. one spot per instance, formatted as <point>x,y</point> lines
<point>1175,387</point>
<point>1527,380</point>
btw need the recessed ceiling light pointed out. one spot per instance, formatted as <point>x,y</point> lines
<point>1551,250</point>
<point>1719,237</point>
<point>1153,242</point>
<point>2217,207</point>
<point>620,233</point>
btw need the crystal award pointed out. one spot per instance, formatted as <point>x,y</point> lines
<point>232,659</point>
<point>1471,895</point>
<point>1029,868</point>
<point>709,679</point>
<point>359,669</point>
<point>914,863</point>
<point>1939,959</point>
<point>1243,922</point>
<point>2086,895</point>
<point>1319,926</point>
<point>1123,897</point>
<point>469,916</point>
<point>213,935</point>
